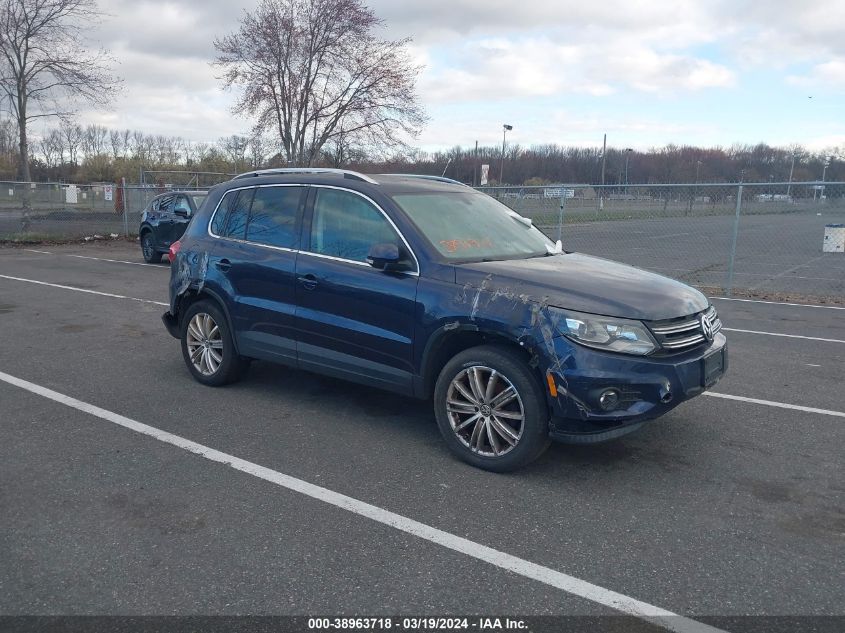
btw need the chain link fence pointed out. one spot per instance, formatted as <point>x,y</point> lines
<point>775,239</point>
<point>756,238</point>
<point>31,212</point>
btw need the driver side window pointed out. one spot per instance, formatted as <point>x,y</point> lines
<point>346,225</point>
<point>182,204</point>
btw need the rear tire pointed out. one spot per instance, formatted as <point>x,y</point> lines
<point>207,345</point>
<point>491,409</point>
<point>148,249</point>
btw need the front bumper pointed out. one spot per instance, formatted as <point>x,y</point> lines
<point>648,387</point>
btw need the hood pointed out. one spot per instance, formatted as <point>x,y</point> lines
<point>586,284</point>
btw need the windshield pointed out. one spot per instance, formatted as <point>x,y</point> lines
<point>472,226</point>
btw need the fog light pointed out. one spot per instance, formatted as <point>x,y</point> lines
<point>609,399</point>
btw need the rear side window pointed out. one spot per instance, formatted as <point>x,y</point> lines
<point>345,225</point>
<point>165,203</point>
<point>272,220</point>
<point>231,217</point>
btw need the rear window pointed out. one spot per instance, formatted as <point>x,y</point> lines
<point>272,220</point>
<point>232,213</point>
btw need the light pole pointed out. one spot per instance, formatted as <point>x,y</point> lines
<point>603,160</point>
<point>824,173</point>
<point>505,129</point>
<point>695,189</point>
<point>628,151</point>
<point>791,169</point>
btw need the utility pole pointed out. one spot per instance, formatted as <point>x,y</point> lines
<point>603,159</point>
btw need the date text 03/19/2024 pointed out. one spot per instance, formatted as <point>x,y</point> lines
<point>417,624</point>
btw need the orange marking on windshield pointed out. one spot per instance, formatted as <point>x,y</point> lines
<point>455,245</point>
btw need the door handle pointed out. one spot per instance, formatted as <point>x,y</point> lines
<point>309,281</point>
<point>224,265</point>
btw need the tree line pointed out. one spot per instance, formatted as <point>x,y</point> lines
<point>70,152</point>
<point>551,163</point>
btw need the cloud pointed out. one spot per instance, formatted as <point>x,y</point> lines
<point>828,74</point>
<point>505,69</point>
<point>485,59</point>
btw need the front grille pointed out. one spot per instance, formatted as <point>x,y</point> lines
<point>683,333</point>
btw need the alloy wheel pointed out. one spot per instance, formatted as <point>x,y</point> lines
<point>485,411</point>
<point>205,344</point>
<point>147,247</point>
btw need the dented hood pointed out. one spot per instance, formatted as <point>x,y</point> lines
<point>586,284</point>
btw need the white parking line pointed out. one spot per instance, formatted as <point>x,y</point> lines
<point>779,303</point>
<point>780,405</point>
<point>90,292</point>
<point>522,567</point>
<point>121,261</point>
<point>809,338</point>
<point>100,259</point>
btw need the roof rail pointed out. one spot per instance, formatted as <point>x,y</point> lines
<point>307,170</point>
<point>428,177</point>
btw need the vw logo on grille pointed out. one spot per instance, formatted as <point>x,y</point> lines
<point>707,326</point>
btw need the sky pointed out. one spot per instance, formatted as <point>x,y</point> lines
<point>645,72</point>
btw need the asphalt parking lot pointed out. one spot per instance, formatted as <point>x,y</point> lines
<point>775,253</point>
<point>724,507</point>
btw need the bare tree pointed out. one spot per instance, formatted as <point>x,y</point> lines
<point>45,64</point>
<point>257,150</point>
<point>342,149</point>
<point>234,148</point>
<point>311,68</point>
<point>127,143</point>
<point>94,139</point>
<point>116,145</point>
<point>72,134</point>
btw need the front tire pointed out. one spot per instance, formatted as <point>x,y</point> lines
<point>207,345</point>
<point>491,409</point>
<point>148,249</point>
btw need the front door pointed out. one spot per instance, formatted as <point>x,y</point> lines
<point>180,214</point>
<point>354,321</point>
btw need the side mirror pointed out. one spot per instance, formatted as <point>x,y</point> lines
<point>383,256</point>
<point>182,212</point>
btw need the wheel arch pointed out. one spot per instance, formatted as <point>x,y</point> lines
<point>193,295</point>
<point>450,340</point>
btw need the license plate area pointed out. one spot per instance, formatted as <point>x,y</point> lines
<point>712,368</point>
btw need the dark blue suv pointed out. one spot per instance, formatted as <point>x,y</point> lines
<point>429,288</point>
<point>164,220</point>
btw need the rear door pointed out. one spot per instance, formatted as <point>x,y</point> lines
<point>354,321</point>
<point>255,258</point>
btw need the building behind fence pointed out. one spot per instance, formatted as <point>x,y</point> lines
<point>777,238</point>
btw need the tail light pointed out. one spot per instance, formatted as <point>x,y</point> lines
<point>174,248</point>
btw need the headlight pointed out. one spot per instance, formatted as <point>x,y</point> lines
<point>607,333</point>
